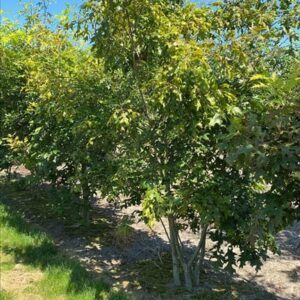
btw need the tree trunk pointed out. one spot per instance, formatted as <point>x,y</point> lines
<point>8,173</point>
<point>175,261</point>
<point>200,259</point>
<point>86,194</point>
<point>188,277</point>
<point>191,267</point>
<point>178,258</point>
<point>86,205</point>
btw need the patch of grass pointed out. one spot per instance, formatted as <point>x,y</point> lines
<point>4,295</point>
<point>6,262</point>
<point>99,231</point>
<point>64,278</point>
<point>123,232</point>
<point>216,294</point>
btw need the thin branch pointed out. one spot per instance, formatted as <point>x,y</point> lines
<point>180,241</point>
<point>165,229</point>
<point>199,264</point>
<point>134,53</point>
<point>200,245</point>
<point>176,242</point>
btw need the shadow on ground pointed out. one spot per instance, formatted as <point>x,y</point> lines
<point>45,256</point>
<point>142,267</point>
<point>289,241</point>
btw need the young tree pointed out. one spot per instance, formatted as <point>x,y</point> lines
<point>173,109</point>
<point>187,72</point>
<point>69,135</point>
<point>61,96</point>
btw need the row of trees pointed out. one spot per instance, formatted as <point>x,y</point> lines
<point>191,112</point>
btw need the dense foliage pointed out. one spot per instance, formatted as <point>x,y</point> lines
<point>191,112</point>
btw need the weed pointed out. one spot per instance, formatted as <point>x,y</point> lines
<point>123,231</point>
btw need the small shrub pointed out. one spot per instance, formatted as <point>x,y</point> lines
<point>123,232</point>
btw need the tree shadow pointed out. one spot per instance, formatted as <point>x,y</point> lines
<point>55,211</point>
<point>289,241</point>
<point>294,274</point>
<point>153,277</point>
<point>142,266</point>
<point>44,255</point>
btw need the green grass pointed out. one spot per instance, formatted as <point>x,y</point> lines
<point>5,295</point>
<point>63,278</point>
<point>7,262</point>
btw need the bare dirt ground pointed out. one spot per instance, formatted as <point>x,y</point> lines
<point>280,275</point>
<point>279,278</point>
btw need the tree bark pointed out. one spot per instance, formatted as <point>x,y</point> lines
<point>188,277</point>
<point>86,194</point>
<point>175,261</point>
<point>8,173</point>
<point>200,259</point>
<point>86,205</point>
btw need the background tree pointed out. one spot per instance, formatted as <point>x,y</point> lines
<point>69,133</point>
<point>14,48</point>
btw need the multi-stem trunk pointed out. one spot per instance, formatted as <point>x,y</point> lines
<point>200,259</point>
<point>190,266</point>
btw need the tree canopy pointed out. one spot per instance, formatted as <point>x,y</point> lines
<point>190,112</point>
